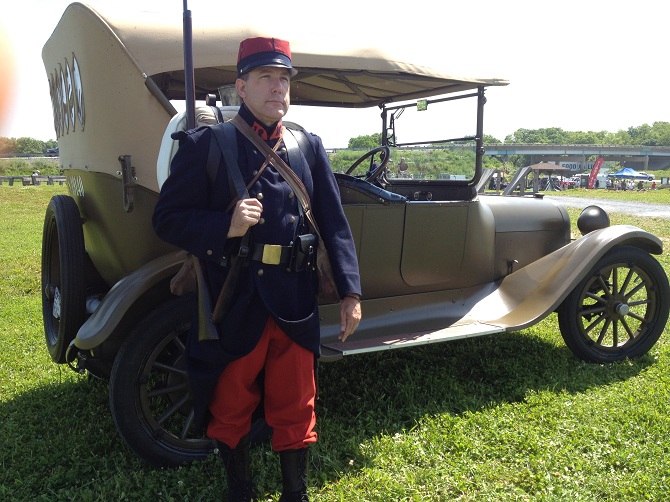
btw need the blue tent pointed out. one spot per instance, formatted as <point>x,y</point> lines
<point>629,174</point>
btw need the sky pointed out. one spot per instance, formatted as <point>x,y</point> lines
<point>586,65</point>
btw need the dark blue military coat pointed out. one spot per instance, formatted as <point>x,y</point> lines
<point>190,213</point>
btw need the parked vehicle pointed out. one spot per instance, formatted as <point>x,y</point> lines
<point>438,262</point>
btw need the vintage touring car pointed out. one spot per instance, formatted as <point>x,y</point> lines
<point>439,261</point>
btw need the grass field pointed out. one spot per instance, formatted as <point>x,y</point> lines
<point>653,196</point>
<point>507,417</point>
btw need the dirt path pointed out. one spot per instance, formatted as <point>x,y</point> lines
<point>615,206</point>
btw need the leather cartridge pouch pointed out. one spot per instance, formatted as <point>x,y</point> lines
<point>303,254</point>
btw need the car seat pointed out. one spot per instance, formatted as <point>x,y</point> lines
<point>204,115</point>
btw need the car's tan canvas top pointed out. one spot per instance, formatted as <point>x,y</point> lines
<point>101,71</point>
<point>331,73</point>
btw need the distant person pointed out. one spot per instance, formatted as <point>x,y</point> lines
<point>402,165</point>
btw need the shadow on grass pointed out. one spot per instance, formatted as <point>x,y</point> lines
<point>388,392</point>
<point>60,440</point>
<point>59,443</point>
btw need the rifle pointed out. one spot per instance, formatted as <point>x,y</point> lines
<point>189,78</point>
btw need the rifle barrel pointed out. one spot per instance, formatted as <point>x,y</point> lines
<point>189,79</point>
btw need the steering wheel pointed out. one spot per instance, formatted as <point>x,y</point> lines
<point>372,176</point>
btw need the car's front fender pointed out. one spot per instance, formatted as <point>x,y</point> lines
<point>123,296</point>
<point>531,293</point>
<point>520,299</point>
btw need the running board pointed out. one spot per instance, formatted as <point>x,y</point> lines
<point>337,349</point>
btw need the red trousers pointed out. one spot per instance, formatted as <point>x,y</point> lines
<point>289,394</point>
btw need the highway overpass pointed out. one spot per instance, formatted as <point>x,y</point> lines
<point>641,158</point>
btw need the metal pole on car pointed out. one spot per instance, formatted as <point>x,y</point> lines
<point>189,80</point>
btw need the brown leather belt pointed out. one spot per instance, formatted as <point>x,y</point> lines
<point>271,254</point>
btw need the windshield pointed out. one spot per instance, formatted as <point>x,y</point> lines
<point>433,139</point>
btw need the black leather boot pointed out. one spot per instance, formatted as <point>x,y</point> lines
<point>294,475</point>
<point>238,472</point>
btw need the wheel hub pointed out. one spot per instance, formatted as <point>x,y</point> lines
<point>56,311</point>
<point>622,309</point>
<point>617,306</point>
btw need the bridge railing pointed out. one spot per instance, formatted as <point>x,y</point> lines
<point>32,180</point>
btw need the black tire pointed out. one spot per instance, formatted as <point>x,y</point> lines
<point>63,275</point>
<point>619,310</point>
<point>149,391</point>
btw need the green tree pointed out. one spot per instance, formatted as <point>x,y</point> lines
<point>29,145</point>
<point>660,134</point>
<point>588,138</point>
<point>490,140</point>
<point>366,142</point>
<point>7,145</point>
<point>639,135</point>
<point>620,137</point>
<point>25,146</point>
<point>657,134</point>
<point>551,135</point>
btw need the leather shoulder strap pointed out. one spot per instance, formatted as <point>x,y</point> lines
<point>293,152</point>
<point>299,138</point>
<point>213,158</point>
<point>226,138</point>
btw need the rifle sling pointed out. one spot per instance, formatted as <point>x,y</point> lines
<point>227,142</point>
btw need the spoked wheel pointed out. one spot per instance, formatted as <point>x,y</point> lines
<point>63,275</point>
<point>149,391</point>
<point>619,311</point>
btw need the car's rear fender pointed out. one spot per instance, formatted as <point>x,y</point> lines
<point>126,296</point>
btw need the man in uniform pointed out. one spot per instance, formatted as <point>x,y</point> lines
<point>272,325</point>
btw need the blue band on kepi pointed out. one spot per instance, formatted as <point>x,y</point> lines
<point>264,59</point>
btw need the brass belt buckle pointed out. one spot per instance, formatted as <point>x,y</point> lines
<point>271,254</point>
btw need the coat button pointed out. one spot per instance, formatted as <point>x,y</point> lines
<point>209,252</point>
<point>259,196</point>
<point>260,272</point>
<point>291,195</point>
<point>261,221</point>
<point>254,172</point>
<point>292,219</point>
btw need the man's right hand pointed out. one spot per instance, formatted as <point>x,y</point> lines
<point>246,214</point>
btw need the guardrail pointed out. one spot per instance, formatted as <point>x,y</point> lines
<point>32,180</point>
<point>28,156</point>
